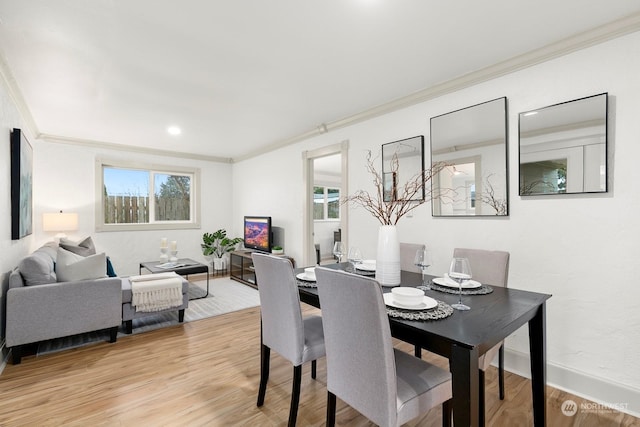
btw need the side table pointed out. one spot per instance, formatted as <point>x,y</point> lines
<point>187,266</point>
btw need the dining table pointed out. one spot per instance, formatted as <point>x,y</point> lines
<point>465,335</point>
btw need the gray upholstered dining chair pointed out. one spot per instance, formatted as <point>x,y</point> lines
<point>488,268</point>
<point>408,255</point>
<point>388,386</point>
<point>283,327</point>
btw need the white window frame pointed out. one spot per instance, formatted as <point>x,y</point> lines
<point>193,173</point>
<point>325,202</point>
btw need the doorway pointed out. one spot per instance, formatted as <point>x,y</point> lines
<point>325,176</point>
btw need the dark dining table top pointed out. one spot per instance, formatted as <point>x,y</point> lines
<point>492,316</point>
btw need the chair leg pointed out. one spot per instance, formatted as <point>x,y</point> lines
<point>313,369</point>
<point>447,412</point>
<point>265,353</point>
<point>417,351</point>
<point>481,397</point>
<point>331,409</point>
<point>295,395</point>
<point>501,371</point>
<point>181,315</point>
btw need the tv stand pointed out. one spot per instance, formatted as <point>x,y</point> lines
<point>242,269</point>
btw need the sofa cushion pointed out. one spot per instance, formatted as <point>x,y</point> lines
<point>72,267</point>
<point>38,268</point>
<point>84,247</point>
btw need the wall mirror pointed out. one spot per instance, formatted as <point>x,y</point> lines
<point>563,148</point>
<point>410,163</point>
<point>473,142</point>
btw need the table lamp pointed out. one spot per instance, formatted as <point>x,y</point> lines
<point>60,222</point>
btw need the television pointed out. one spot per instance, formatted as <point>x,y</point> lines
<point>257,233</point>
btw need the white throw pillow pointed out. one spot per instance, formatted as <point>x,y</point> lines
<point>72,267</point>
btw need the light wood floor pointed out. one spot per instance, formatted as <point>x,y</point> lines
<point>205,373</point>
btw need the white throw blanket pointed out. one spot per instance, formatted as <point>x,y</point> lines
<point>156,292</point>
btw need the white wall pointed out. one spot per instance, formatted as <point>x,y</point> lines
<point>12,250</point>
<point>583,249</point>
<point>70,185</point>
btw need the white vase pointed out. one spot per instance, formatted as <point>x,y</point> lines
<point>388,256</point>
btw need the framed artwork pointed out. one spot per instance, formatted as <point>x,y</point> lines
<point>21,186</point>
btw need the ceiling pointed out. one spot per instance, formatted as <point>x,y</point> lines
<point>244,76</point>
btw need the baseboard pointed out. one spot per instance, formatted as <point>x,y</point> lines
<point>607,393</point>
<point>4,356</point>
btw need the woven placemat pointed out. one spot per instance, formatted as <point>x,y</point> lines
<point>305,284</point>
<point>440,312</point>
<point>482,290</point>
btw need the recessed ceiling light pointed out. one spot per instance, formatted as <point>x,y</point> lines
<point>174,130</point>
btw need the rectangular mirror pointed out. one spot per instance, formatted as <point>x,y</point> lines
<point>563,148</point>
<point>402,161</point>
<point>473,142</point>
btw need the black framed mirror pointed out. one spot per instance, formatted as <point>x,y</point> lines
<point>402,161</point>
<point>473,142</point>
<point>563,148</point>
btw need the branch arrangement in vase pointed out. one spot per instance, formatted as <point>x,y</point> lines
<point>406,198</point>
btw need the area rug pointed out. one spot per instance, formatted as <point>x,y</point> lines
<point>225,296</point>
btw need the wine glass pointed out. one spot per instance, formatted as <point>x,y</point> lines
<point>338,250</point>
<point>460,271</point>
<point>354,256</point>
<point>423,261</point>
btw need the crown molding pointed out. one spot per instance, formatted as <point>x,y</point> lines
<point>130,148</point>
<point>583,40</point>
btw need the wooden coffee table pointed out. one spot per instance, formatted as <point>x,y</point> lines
<point>185,267</point>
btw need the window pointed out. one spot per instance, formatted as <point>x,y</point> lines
<point>139,197</point>
<point>326,203</point>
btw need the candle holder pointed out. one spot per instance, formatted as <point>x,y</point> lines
<point>173,258</point>
<point>163,254</point>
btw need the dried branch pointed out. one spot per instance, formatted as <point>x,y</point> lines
<point>408,197</point>
<point>488,197</point>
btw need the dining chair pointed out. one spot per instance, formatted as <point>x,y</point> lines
<point>388,386</point>
<point>283,328</point>
<point>488,268</point>
<point>408,255</point>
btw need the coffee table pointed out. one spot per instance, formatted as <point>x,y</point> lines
<point>185,267</point>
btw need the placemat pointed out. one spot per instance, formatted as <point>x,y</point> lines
<point>482,290</point>
<point>305,284</point>
<point>440,312</point>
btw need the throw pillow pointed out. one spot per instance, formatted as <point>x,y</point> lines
<point>84,247</point>
<point>72,267</point>
<point>110,270</point>
<point>37,268</point>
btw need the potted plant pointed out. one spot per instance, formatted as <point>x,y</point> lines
<point>216,245</point>
<point>277,250</point>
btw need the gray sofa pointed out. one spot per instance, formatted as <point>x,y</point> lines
<point>39,307</point>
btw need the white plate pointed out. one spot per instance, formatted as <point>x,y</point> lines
<point>426,304</point>
<point>304,277</point>
<point>367,265</point>
<point>450,283</point>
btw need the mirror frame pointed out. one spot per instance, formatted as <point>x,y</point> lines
<point>498,205</point>
<point>393,179</point>
<point>578,157</point>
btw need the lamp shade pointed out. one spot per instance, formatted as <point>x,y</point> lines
<point>59,221</point>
